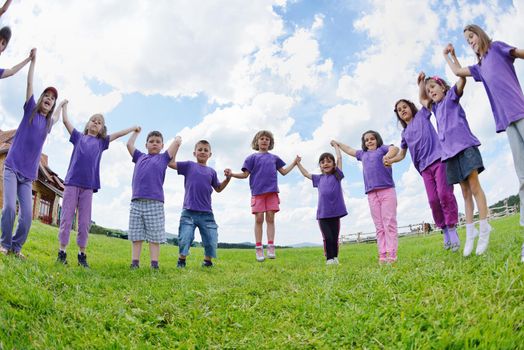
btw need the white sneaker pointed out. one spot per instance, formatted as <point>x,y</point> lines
<point>336,260</point>
<point>470,241</point>
<point>482,243</point>
<point>260,254</point>
<point>271,251</point>
<point>330,262</point>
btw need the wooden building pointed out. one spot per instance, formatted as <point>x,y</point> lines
<point>47,189</point>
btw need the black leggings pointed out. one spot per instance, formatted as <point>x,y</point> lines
<point>330,229</point>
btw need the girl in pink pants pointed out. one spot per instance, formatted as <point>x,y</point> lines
<point>380,188</point>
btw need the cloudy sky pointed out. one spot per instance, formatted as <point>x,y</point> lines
<point>309,71</point>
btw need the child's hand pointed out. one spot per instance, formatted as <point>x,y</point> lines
<point>63,104</point>
<point>421,77</point>
<point>32,54</point>
<point>449,49</point>
<point>137,129</point>
<point>334,143</point>
<point>178,140</point>
<point>387,160</point>
<point>298,159</point>
<point>227,172</point>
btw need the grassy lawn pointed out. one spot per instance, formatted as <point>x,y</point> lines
<point>430,299</point>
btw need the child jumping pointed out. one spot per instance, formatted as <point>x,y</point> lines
<point>146,216</point>
<point>199,182</point>
<point>459,152</point>
<point>331,206</point>
<point>21,164</point>
<point>420,137</point>
<point>380,189</point>
<point>82,179</point>
<point>263,167</point>
<point>495,68</point>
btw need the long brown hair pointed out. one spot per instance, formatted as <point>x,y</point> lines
<point>484,42</point>
<point>411,106</point>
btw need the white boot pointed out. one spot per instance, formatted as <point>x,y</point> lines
<point>483,241</point>
<point>471,234</point>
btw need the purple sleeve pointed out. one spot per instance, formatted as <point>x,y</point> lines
<point>29,105</point>
<point>136,155</point>
<point>105,143</point>
<point>340,174</point>
<point>504,48</point>
<point>315,179</point>
<point>359,154</point>
<point>453,96</point>
<point>475,72</point>
<point>166,157</point>
<point>248,164</point>
<point>75,136</point>
<point>384,149</point>
<point>214,181</point>
<point>424,112</point>
<point>279,162</point>
<point>182,167</point>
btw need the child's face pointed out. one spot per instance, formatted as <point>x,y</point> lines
<point>48,101</point>
<point>435,92</point>
<point>263,143</point>
<point>3,45</point>
<point>202,153</point>
<point>154,144</point>
<point>95,125</point>
<point>404,112</point>
<point>473,40</point>
<point>327,165</point>
<point>370,141</point>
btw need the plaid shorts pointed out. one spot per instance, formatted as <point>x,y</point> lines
<point>147,221</point>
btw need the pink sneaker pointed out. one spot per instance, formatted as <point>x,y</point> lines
<point>271,251</point>
<point>260,254</point>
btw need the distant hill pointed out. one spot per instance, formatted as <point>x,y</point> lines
<point>305,244</point>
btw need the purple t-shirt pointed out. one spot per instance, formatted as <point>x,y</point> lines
<point>422,140</point>
<point>376,174</point>
<point>453,129</point>
<point>262,167</point>
<point>149,175</point>
<point>84,166</point>
<point>24,155</point>
<point>497,73</point>
<point>330,197</point>
<point>199,181</point>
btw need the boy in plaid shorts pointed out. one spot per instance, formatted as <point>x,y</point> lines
<point>146,218</point>
<point>199,182</point>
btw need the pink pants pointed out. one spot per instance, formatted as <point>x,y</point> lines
<point>75,197</point>
<point>383,207</point>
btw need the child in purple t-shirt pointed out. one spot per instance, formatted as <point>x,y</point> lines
<point>263,167</point>
<point>420,137</point>
<point>331,206</point>
<point>83,179</point>
<point>199,182</point>
<point>495,68</point>
<point>21,164</point>
<point>459,152</point>
<point>380,188</point>
<point>146,216</point>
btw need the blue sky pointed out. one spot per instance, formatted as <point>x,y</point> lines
<point>310,71</point>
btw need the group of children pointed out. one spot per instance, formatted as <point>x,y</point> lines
<point>444,157</point>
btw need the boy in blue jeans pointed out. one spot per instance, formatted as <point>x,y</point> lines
<point>199,182</point>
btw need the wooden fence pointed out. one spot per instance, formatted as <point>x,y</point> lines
<point>425,227</point>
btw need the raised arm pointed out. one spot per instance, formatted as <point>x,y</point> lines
<point>345,148</point>
<point>224,183</point>
<point>172,150</point>
<point>453,63</point>
<point>302,169</point>
<point>121,133</point>
<point>58,111</point>
<point>4,8</point>
<point>337,154</point>
<point>399,157</point>
<point>30,74</point>
<point>422,95</point>
<point>517,53</point>
<point>65,117</point>
<point>461,83</point>
<point>13,70</point>
<point>286,170</point>
<point>132,139</point>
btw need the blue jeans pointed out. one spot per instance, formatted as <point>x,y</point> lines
<point>205,221</point>
<point>16,186</point>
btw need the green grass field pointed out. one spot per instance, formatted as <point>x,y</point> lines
<point>430,299</point>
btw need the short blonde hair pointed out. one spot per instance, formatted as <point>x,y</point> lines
<point>484,42</point>
<point>103,133</point>
<point>254,143</point>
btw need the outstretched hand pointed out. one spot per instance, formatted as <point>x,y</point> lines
<point>227,172</point>
<point>421,77</point>
<point>138,129</point>
<point>32,54</point>
<point>298,159</point>
<point>449,49</point>
<point>178,140</point>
